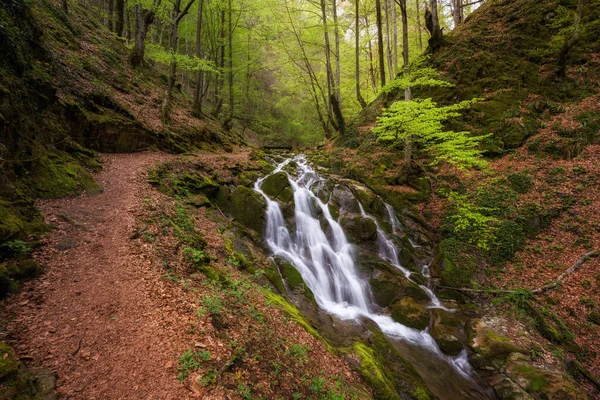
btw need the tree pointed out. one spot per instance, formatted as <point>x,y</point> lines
<point>380,41</point>
<point>199,77</point>
<point>359,97</point>
<point>432,23</point>
<point>420,123</point>
<point>178,14</point>
<point>143,18</point>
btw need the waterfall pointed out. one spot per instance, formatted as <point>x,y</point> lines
<point>327,264</point>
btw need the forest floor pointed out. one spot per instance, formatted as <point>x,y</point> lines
<point>97,317</point>
<point>112,324</point>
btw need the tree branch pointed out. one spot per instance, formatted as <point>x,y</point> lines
<point>568,272</point>
<point>472,3</point>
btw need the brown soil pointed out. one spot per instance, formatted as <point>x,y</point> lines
<point>96,317</point>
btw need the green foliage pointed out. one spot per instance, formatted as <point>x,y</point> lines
<point>470,221</point>
<point>190,361</point>
<point>421,121</point>
<point>213,304</point>
<point>521,182</point>
<point>185,62</point>
<point>416,75</point>
<point>14,248</point>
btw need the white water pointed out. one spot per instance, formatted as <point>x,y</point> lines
<point>327,263</point>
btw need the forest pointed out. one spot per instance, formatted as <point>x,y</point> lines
<point>300,199</point>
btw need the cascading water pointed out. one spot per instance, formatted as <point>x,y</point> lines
<point>326,263</point>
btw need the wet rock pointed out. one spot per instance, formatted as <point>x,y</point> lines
<point>388,288</point>
<point>410,313</point>
<point>448,329</point>
<point>277,187</point>
<point>344,199</point>
<point>358,229</point>
<point>248,208</point>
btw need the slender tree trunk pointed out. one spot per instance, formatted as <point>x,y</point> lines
<point>111,6</point>
<point>457,12</point>
<point>177,15</point>
<point>380,42</point>
<point>229,120</point>
<point>338,79</point>
<point>220,80</point>
<point>420,32</point>
<point>65,6</point>
<point>359,97</point>
<point>388,46</point>
<point>198,53</point>
<point>120,17</point>
<point>394,38</point>
<point>330,80</point>
<point>142,20</point>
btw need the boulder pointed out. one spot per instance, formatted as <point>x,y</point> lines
<point>388,288</point>
<point>448,329</point>
<point>248,208</point>
<point>491,349</point>
<point>410,313</point>
<point>277,187</point>
<point>357,228</point>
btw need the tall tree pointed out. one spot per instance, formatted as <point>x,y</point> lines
<point>432,22</point>
<point>178,14</point>
<point>143,19</point>
<point>380,41</point>
<point>120,17</point>
<point>359,97</point>
<point>199,75</point>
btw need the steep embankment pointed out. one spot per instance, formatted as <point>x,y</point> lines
<point>66,90</point>
<point>532,215</point>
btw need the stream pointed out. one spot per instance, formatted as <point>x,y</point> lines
<point>316,244</point>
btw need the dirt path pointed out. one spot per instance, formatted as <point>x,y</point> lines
<point>96,317</point>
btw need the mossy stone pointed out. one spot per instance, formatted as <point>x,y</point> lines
<point>274,186</point>
<point>375,373</point>
<point>248,208</point>
<point>491,348</point>
<point>410,313</point>
<point>358,229</point>
<point>8,364</point>
<point>388,288</point>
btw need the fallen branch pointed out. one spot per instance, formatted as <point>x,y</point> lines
<point>568,272</point>
<point>558,281</point>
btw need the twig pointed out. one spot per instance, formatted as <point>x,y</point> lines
<point>78,347</point>
<point>568,272</point>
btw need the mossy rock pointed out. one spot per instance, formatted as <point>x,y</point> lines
<point>248,208</point>
<point>542,383</point>
<point>448,329</point>
<point>506,389</point>
<point>8,364</point>
<point>277,187</point>
<point>294,281</point>
<point>358,229</point>
<point>491,348</point>
<point>376,374</point>
<point>388,288</point>
<point>594,317</point>
<point>410,313</point>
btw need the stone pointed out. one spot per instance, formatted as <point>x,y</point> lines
<point>410,313</point>
<point>248,207</point>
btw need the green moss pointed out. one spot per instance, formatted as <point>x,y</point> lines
<point>8,364</point>
<point>458,265</point>
<point>248,208</point>
<point>375,373</point>
<point>410,313</point>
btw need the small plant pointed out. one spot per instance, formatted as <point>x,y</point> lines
<point>245,391</point>
<point>148,237</point>
<point>299,352</point>
<point>317,385</point>
<point>209,378</point>
<point>197,256</point>
<point>15,248</point>
<point>190,361</point>
<point>213,304</point>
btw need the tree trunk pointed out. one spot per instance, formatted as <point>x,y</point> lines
<point>143,19</point>
<point>394,37</point>
<point>168,100</point>
<point>433,25</point>
<point>388,46</point>
<point>111,6</point>
<point>359,97</point>
<point>198,53</point>
<point>229,121</point>
<point>457,12</point>
<point>380,42</point>
<point>120,17</point>
<point>65,6</point>
<point>404,13</point>
<point>221,55</point>
<point>419,25</point>
<point>338,79</point>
